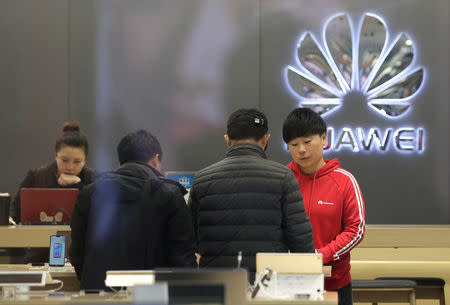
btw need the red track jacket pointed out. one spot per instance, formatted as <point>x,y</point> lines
<point>335,208</point>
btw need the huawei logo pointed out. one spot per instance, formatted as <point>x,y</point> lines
<point>363,61</point>
<point>326,203</point>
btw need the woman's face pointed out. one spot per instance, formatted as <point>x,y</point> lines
<point>70,160</point>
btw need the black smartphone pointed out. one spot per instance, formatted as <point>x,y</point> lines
<point>57,255</point>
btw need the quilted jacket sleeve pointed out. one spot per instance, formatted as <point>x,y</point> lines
<point>296,225</point>
<point>194,206</point>
<point>78,226</point>
<point>180,234</point>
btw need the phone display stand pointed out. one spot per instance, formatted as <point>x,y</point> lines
<point>289,276</point>
<point>128,278</point>
<point>19,282</point>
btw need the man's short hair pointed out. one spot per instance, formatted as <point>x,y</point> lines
<point>303,122</point>
<point>139,146</point>
<point>247,124</point>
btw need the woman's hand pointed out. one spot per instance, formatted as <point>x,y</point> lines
<point>65,180</point>
<point>11,221</point>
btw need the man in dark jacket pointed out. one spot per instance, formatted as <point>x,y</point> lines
<point>247,203</point>
<point>131,218</point>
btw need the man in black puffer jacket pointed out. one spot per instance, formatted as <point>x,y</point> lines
<point>132,218</point>
<point>247,203</point>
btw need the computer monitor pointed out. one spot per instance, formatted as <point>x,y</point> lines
<point>235,280</point>
<point>47,205</point>
<point>228,285</point>
<point>183,178</point>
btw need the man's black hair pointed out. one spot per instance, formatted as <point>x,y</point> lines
<point>247,124</point>
<point>139,146</point>
<point>303,122</point>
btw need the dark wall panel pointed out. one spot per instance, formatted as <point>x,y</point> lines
<point>33,84</point>
<point>160,65</point>
<point>178,68</point>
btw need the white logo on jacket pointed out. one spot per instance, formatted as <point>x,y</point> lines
<point>323,202</point>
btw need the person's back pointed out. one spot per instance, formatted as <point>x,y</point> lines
<point>247,203</point>
<point>131,218</point>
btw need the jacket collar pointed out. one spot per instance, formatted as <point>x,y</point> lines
<point>329,166</point>
<point>246,149</point>
<point>145,171</point>
<point>138,169</point>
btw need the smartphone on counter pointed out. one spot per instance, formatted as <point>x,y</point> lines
<point>57,255</point>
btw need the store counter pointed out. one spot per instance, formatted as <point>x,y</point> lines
<point>404,250</point>
<point>121,298</point>
<point>330,298</point>
<point>387,250</point>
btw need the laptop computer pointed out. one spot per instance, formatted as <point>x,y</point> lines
<point>47,205</point>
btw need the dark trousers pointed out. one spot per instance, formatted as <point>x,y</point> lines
<point>345,295</point>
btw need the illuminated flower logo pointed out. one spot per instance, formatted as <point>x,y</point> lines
<point>361,61</point>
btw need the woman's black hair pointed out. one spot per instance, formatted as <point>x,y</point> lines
<point>71,136</point>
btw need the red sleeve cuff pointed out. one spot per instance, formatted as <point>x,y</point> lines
<point>327,256</point>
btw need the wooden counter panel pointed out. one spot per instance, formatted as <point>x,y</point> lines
<point>377,236</point>
<point>28,236</point>
<point>400,254</point>
<point>408,236</point>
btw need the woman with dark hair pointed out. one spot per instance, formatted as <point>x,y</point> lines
<point>67,171</point>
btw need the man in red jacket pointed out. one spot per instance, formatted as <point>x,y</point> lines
<point>331,196</point>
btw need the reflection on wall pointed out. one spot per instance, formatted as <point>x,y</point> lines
<point>161,65</point>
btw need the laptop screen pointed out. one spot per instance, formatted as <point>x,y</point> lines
<point>47,205</point>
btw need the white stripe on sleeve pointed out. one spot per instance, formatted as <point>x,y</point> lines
<point>361,226</point>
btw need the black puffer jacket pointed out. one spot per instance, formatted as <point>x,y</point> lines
<point>250,204</point>
<point>131,218</point>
